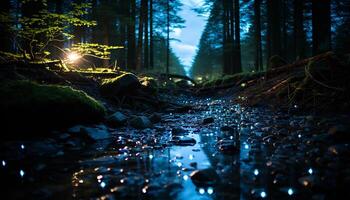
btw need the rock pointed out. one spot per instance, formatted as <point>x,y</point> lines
<point>183,141</point>
<point>178,131</point>
<point>75,129</point>
<point>117,119</point>
<point>227,128</point>
<point>140,122</point>
<point>340,133</point>
<point>155,118</point>
<point>208,120</point>
<point>94,134</point>
<point>125,83</point>
<point>228,146</point>
<point>309,181</point>
<point>205,177</point>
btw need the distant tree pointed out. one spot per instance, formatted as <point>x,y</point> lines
<point>321,26</point>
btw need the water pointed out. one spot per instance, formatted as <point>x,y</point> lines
<point>147,165</point>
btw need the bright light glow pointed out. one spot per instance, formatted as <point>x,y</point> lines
<point>3,163</point>
<point>256,172</point>
<point>201,191</point>
<point>22,146</point>
<point>210,190</point>
<point>73,57</point>
<point>21,172</point>
<point>311,171</point>
<point>150,156</point>
<point>103,184</point>
<point>191,156</point>
<point>263,194</point>
<point>246,146</point>
<point>179,164</point>
<point>185,177</point>
<point>290,191</point>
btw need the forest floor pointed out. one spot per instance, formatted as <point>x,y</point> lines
<point>178,142</point>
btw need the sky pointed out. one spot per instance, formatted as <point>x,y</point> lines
<point>189,36</point>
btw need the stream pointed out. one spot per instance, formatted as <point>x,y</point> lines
<point>217,150</point>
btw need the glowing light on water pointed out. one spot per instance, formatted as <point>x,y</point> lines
<point>210,190</point>
<point>185,177</point>
<point>21,173</point>
<point>263,194</point>
<point>144,190</point>
<point>150,156</point>
<point>299,136</point>
<point>179,164</point>
<point>246,146</point>
<point>22,146</point>
<point>201,191</point>
<point>191,157</point>
<point>310,171</point>
<point>256,172</point>
<point>103,184</point>
<point>290,191</point>
<point>3,163</point>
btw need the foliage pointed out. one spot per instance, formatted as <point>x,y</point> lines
<point>38,32</point>
<point>94,50</point>
<point>46,106</point>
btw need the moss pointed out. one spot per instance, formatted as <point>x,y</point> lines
<point>122,84</point>
<point>29,106</point>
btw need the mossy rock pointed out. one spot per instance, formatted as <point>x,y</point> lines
<point>276,61</point>
<point>149,84</point>
<point>30,107</point>
<point>121,85</point>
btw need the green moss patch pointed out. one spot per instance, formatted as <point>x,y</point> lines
<point>27,106</point>
<point>120,85</point>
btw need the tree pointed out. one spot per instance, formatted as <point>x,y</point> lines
<point>321,26</point>
<point>298,31</point>
<point>258,44</point>
<point>131,57</point>
<point>238,61</point>
<point>274,28</point>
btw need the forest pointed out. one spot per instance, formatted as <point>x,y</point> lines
<point>175,99</point>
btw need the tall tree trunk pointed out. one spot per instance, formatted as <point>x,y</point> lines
<point>146,45</point>
<point>139,63</point>
<point>226,38</point>
<point>321,26</point>
<point>131,57</point>
<point>151,55</point>
<point>284,13</point>
<point>238,63</point>
<point>258,46</point>
<point>5,36</point>
<point>299,33</point>
<point>168,38</point>
<point>274,27</point>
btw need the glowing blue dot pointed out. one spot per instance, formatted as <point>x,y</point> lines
<point>311,171</point>
<point>246,146</point>
<point>103,184</point>
<point>21,173</point>
<point>185,177</point>
<point>256,172</point>
<point>150,156</point>
<point>3,163</point>
<point>22,146</point>
<point>179,164</point>
<point>210,190</point>
<point>299,136</point>
<point>191,157</point>
<point>290,191</point>
<point>201,191</point>
<point>263,194</point>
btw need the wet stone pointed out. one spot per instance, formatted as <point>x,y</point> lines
<point>178,131</point>
<point>117,119</point>
<point>140,122</point>
<point>205,177</point>
<point>208,120</point>
<point>183,141</point>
